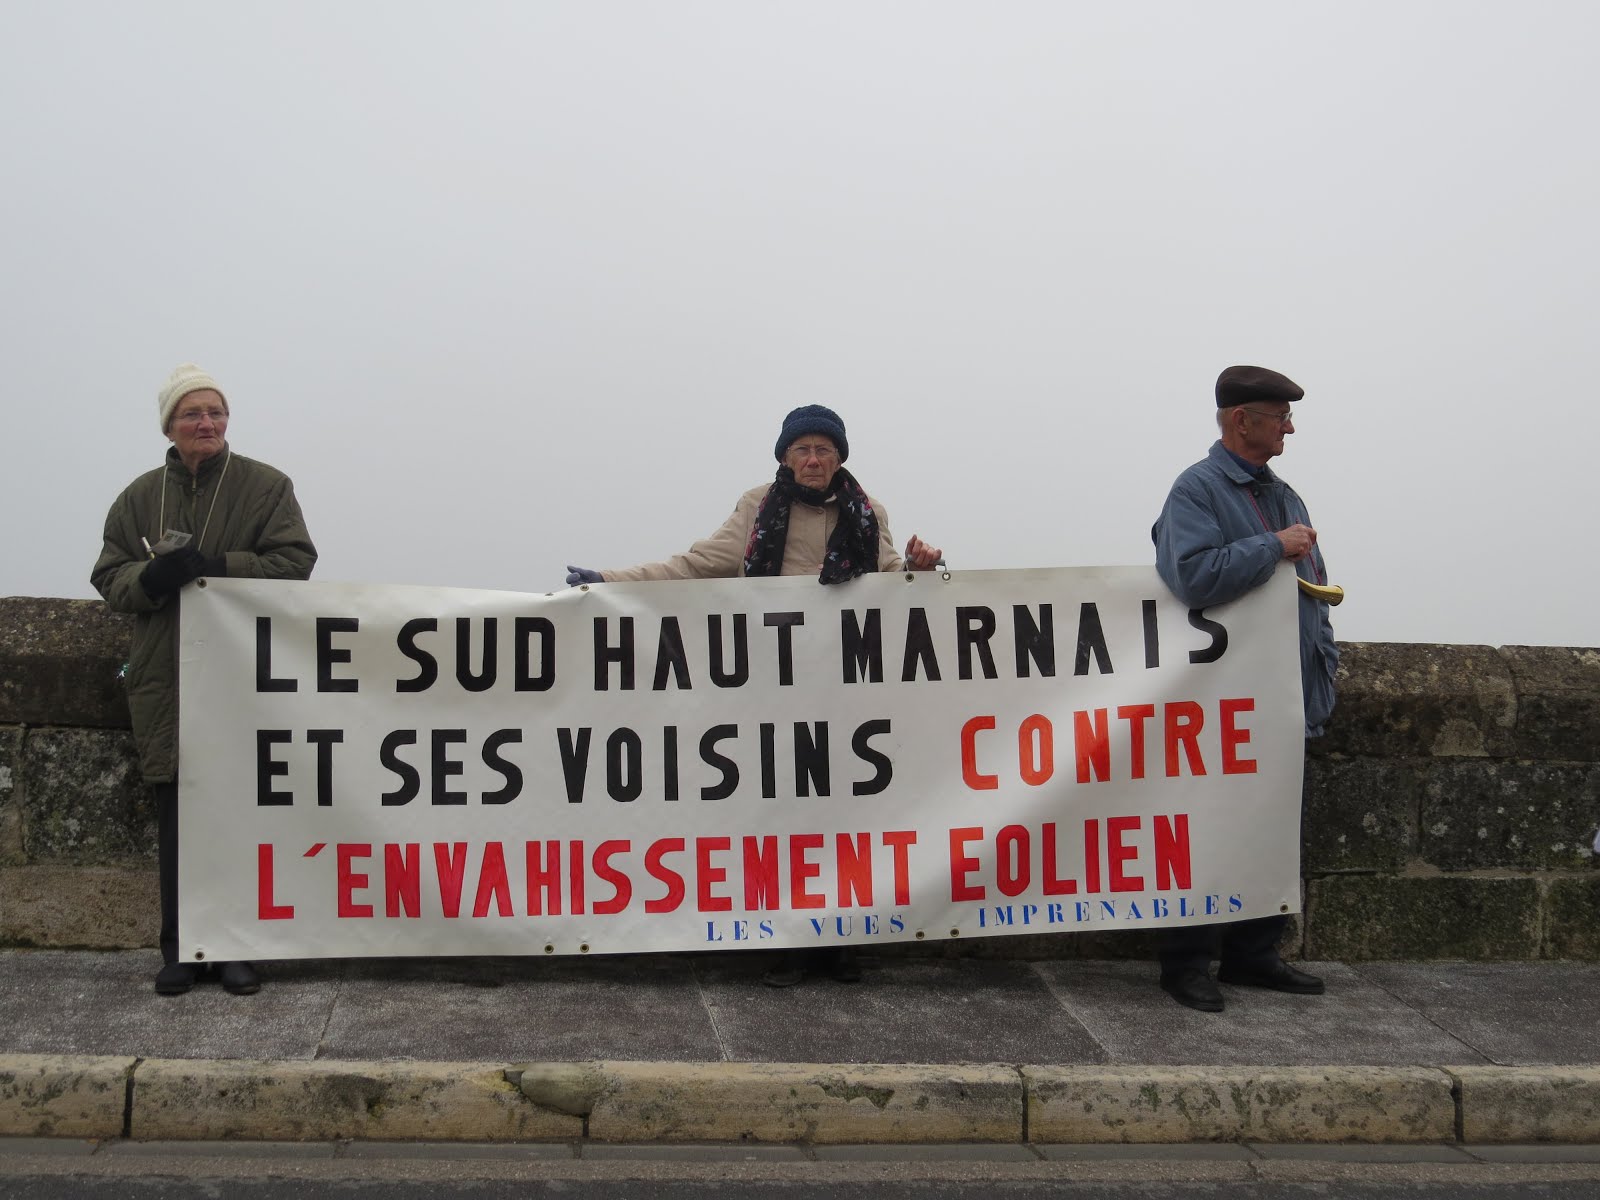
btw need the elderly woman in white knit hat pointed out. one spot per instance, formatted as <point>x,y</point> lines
<point>205,511</point>
<point>814,518</point>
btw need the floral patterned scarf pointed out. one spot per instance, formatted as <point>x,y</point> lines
<point>852,547</point>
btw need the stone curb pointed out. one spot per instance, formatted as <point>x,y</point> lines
<point>300,1100</point>
<point>782,1102</point>
<point>63,1095</point>
<point>1522,1104</point>
<point>1232,1104</point>
<point>85,1096</point>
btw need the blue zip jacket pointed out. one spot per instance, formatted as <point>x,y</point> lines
<point>1215,541</point>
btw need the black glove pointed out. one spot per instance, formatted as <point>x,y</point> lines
<point>214,566</point>
<point>166,573</point>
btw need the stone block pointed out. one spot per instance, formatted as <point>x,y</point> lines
<point>783,1102</point>
<point>1572,917</point>
<point>60,662</point>
<point>1359,917</point>
<point>1360,814</point>
<point>1525,815</point>
<point>11,851</point>
<point>62,1095</point>
<point>1558,702</point>
<point>1401,700</point>
<point>302,1101</point>
<point>94,908</point>
<point>1515,1104</point>
<point>1229,1104</point>
<point>83,799</point>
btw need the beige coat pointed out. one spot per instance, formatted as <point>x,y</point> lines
<point>721,556</point>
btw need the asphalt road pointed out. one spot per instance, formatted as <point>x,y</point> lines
<point>69,1188</point>
<point>287,1172</point>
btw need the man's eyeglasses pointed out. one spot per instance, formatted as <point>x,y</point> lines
<point>1283,418</point>
<point>215,415</point>
<point>820,453</point>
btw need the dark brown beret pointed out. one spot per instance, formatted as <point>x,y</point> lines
<point>1244,385</point>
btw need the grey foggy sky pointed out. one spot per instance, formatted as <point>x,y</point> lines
<point>506,286</point>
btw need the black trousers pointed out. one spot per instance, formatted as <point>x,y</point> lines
<point>167,862</point>
<point>1252,943</point>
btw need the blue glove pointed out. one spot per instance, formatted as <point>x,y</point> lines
<point>577,575</point>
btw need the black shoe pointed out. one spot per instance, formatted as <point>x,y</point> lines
<point>791,969</point>
<point>176,978</point>
<point>1193,989</point>
<point>844,966</point>
<point>1278,976</point>
<point>240,978</point>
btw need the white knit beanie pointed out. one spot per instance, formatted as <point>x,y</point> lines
<point>183,380</point>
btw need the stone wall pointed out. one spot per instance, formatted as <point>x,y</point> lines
<point>1450,812</point>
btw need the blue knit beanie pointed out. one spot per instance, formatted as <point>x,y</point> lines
<point>812,418</point>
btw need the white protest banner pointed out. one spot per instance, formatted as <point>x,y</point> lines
<point>390,770</point>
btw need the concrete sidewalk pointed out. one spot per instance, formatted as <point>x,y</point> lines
<point>682,1048</point>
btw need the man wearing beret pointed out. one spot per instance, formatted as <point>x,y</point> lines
<point>813,519</point>
<point>1228,522</point>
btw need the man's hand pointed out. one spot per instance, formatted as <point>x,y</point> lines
<point>578,575</point>
<point>1297,541</point>
<point>920,556</point>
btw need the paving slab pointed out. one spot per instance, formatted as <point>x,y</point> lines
<point>1357,1024</point>
<point>902,1011</point>
<point>1512,1014</point>
<point>639,1008</point>
<point>78,1002</point>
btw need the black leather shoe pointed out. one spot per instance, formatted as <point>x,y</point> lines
<point>1193,989</point>
<point>791,970</point>
<point>1279,977</point>
<point>176,978</point>
<point>845,966</point>
<point>240,978</point>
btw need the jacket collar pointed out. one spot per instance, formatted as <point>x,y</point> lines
<point>1236,471</point>
<point>208,468</point>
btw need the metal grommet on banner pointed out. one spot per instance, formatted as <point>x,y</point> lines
<point>583,948</point>
<point>549,949</point>
<point>955,933</point>
<point>919,935</point>
<point>201,582</point>
<point>1283,908</point>
<point>910,578</point>
<point>199,955</point>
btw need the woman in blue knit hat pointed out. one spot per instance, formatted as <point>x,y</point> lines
<point>812,519</point>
